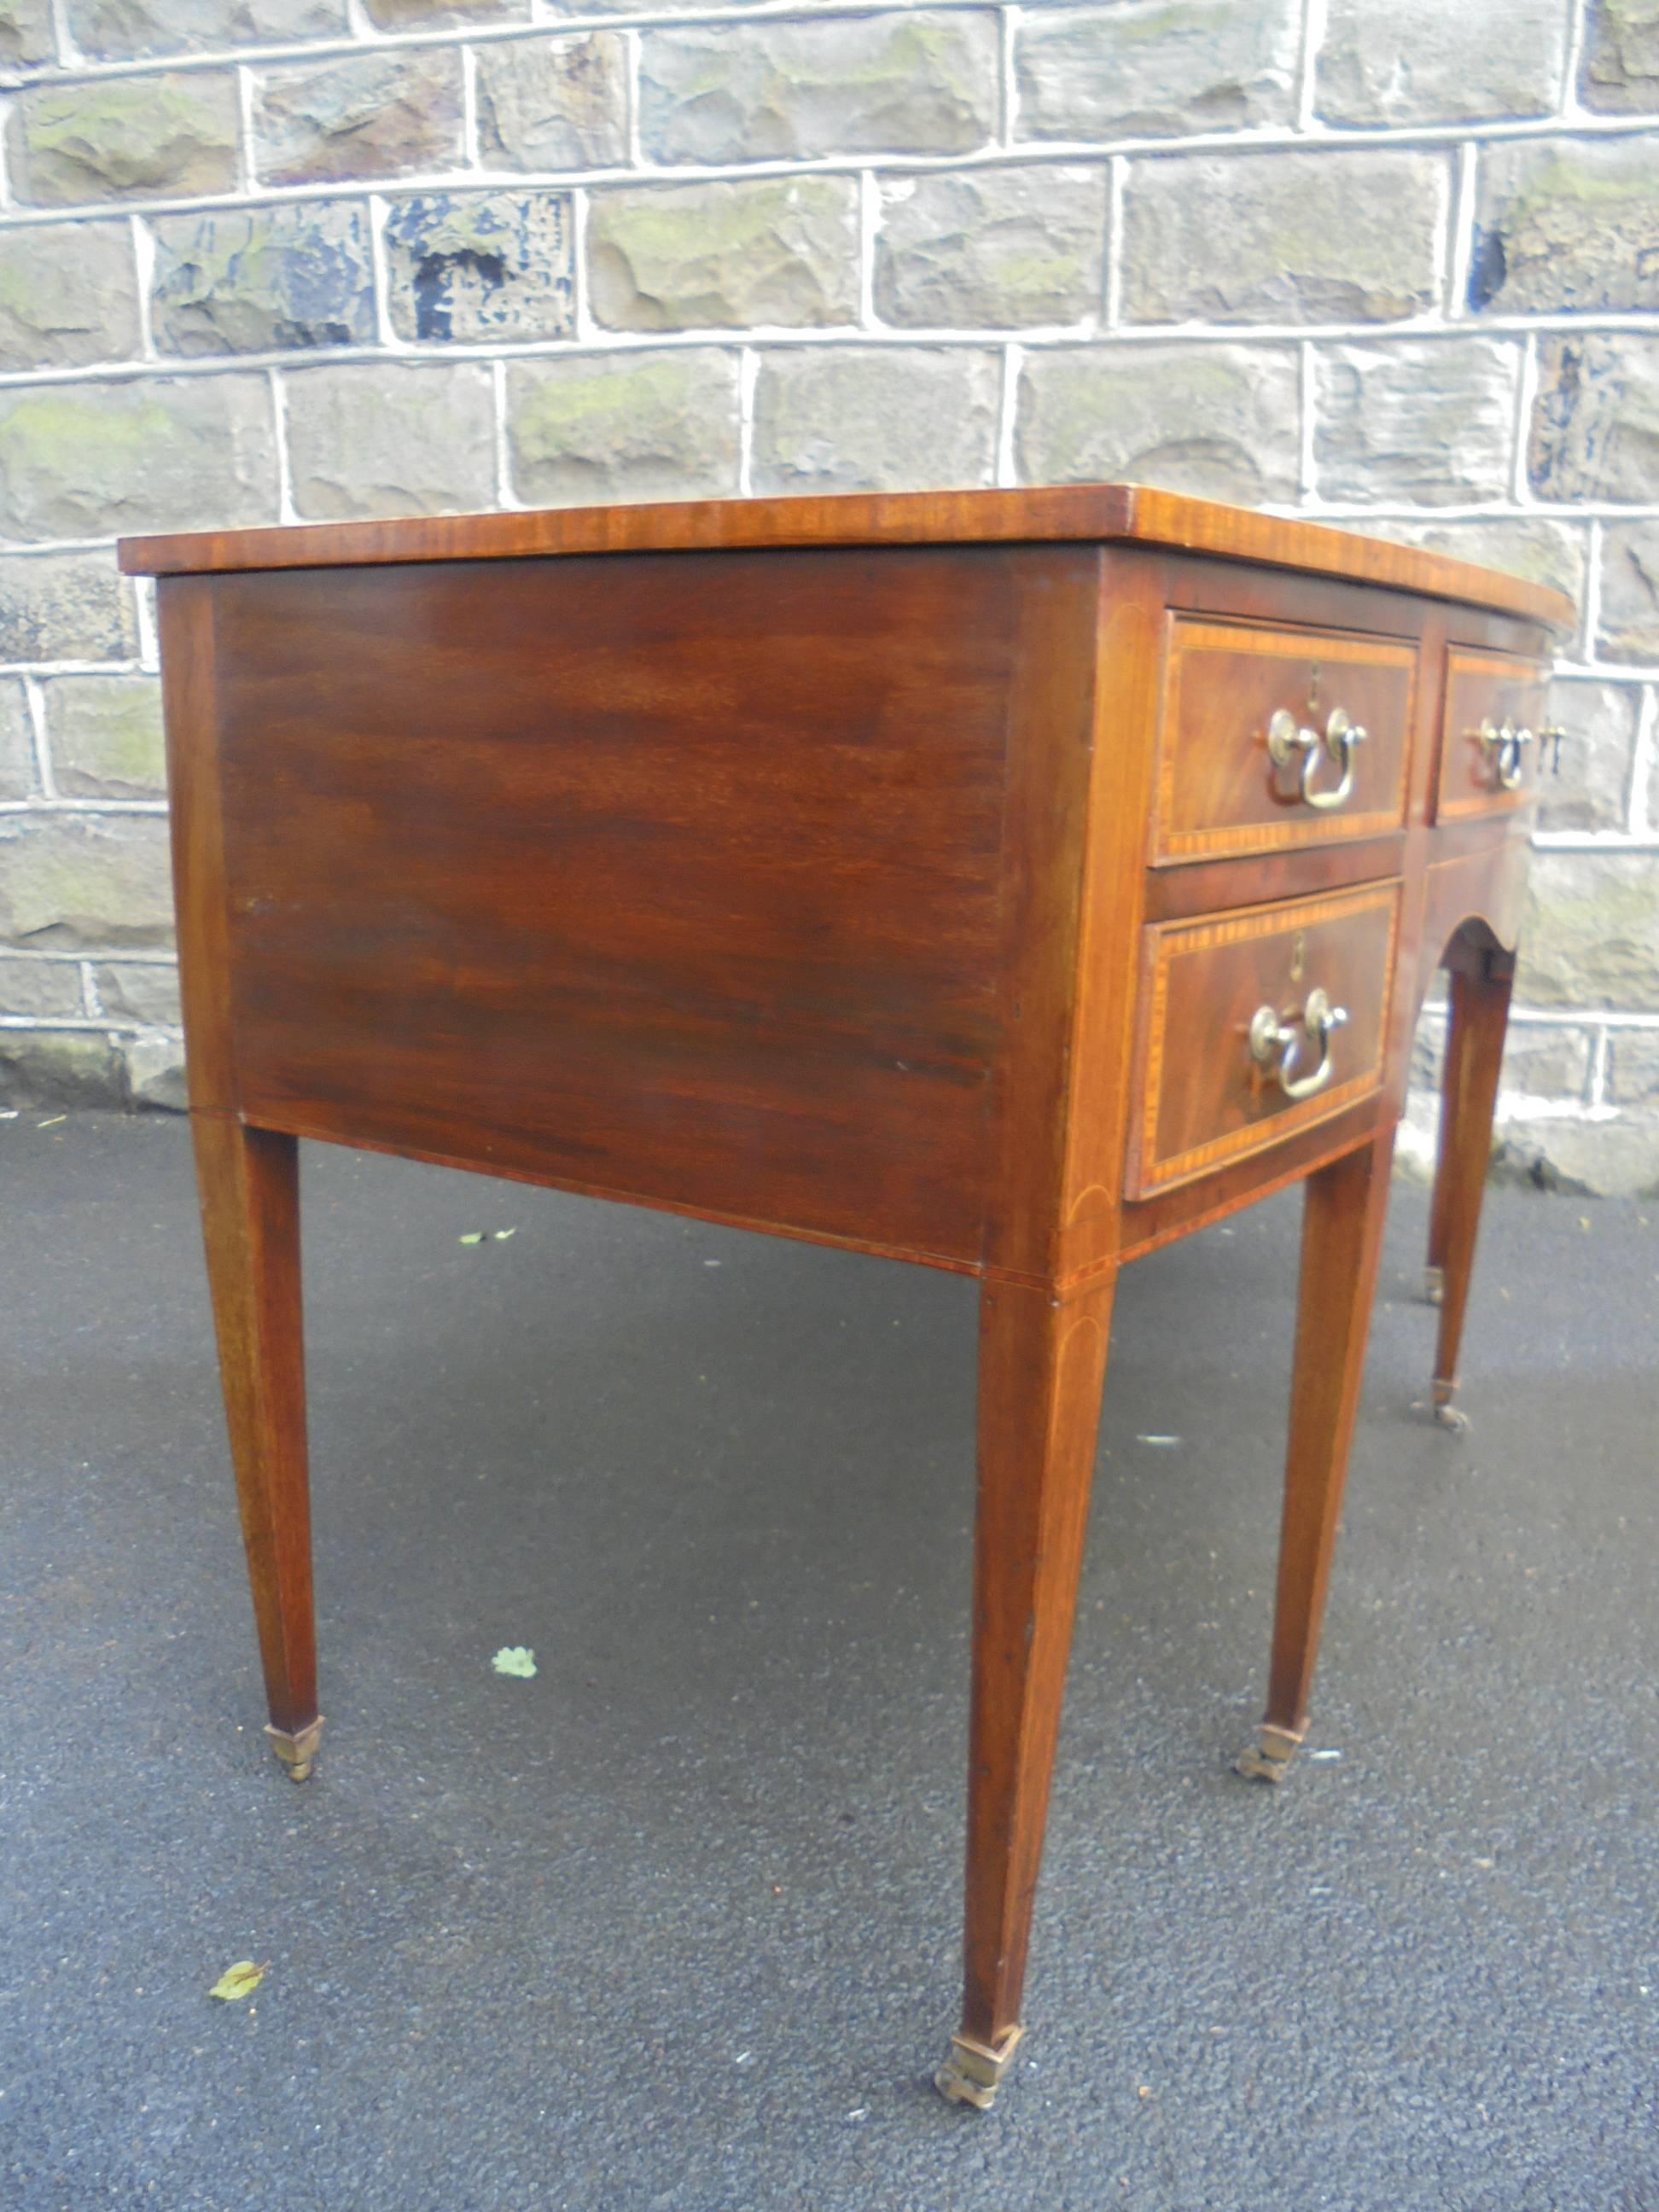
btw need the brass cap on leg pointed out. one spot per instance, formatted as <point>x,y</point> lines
<point>1268,1758</point>
<point>973,2072</point>
<point>297,1751</point>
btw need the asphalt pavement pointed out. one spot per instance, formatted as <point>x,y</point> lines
<point>672,1926</point>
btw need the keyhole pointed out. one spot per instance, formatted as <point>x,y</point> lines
<point>1313,691</point>
<point>1299,956</point>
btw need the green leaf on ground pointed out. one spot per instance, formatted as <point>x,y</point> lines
<point>515,1659</point>
<point>238,1981</point>
<point>472,1237</point>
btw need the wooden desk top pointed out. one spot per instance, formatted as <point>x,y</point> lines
<point>1110,512</point>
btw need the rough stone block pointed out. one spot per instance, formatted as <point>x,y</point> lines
<point>87,460</point>
<point>432,15</point>
<point>395,438</point>
<point>65,606</point>
<point>1155,68</point>
<point>1218,420</point>
<point>1592,791</point>
<point>66,1069</point>
<point>44,989</point>
<point>264,279</point>
<point>991,247</point>
<point>1522,545</point>
<point>481,265</point>
<point>69,295</point>
<point>1619,73</point>
<point>376,115</point>
<point>145,991</point>
<point>900,83</point>
<point>1543,1061</point>
<point>594,426</point>
<point>1591,933</point>
<point>1594,1157</point>
<point>154,1069</point>
<point>17,779</point>
<point>154,137</point>
<point>878,419</point>
<point>1423,422</point>
<point>1423,61</point>
<point>783,251</point>
<point>122,30</point>
<point>1306,238</point>
<point>1630,592</point>
<point>104,733</point>
<point>27,39</point>
<point>1595,419</point>
<point>554,103</point>
<point>1566,225</point>
<point>85,882</point>
<point>1633,1067</point>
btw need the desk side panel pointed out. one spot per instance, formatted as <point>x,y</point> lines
<point>670,875</point>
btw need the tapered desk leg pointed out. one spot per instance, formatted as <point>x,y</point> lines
<point>1434,1272</point>
<point>1475,1057</point>
<point>1041,1361</point>
<point>1342,1220</point>
<point>249,1182</point>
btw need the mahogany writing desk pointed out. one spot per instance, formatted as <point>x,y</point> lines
<point>1005,881</point>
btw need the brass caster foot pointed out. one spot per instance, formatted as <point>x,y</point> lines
<point>972,2073</point>
<point>1434,1285</point>
<point>1447,1415</point>
<point>1268,1758</point>
<point>297,1751</point>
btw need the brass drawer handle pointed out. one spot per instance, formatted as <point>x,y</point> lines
<point>1286,738</point>
<point>1505,749</point>
<point>1269,1036</point>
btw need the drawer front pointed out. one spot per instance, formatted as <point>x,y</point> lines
<point>1233,1054</point>
<point>1253,757</point>
<point>1491,734</point>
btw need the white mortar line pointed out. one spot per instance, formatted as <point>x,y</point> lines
<point>1578,20</point>
<point>1313,37</point>
<point>1593,588</point>
<point>144,610</point>
<point>128,959</point>
<point>1080,334</point>
<point>72,667</point>
<point>1008,25</point>
<point>35,703</point>
<point>505,497</point>
<point>69,55</point>
<point>470,109</point>
<point>55,804</point>
<point>285,506</point>
<point>635,57</point>
<point>91,1004</point>
<point>1117,176</point>
<point>1609,843</point>
<point>1526,396</point>
<point>1644,758</point>
<point>1598,1070</point>
<point>143,263</point>
<point>748,377</point>
<point>869,218</point>
<point>245,129</point>
<point>378,211</point>
<point>357,22</point>
<point>1007,470</point>
<point>586,334</point>
<point>1460,241</point>
<point>1307,465</point>
<point>109,1024</point>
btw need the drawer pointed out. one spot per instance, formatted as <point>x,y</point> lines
<point>1252,756</point>
<point>1492,733</point>
<point>1233,1054</point>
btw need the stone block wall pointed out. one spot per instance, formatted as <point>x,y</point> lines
<point>1391,263</point>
